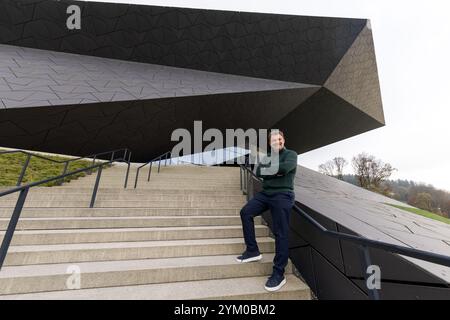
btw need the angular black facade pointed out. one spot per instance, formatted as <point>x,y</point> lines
<point>333,268</point>
<point>133,74</point>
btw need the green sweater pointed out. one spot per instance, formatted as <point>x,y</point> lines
<point>283,179</point>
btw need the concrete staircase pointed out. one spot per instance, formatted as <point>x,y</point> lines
<point>175,237</point>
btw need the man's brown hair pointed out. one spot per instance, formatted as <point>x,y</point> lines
<point>275,131</point>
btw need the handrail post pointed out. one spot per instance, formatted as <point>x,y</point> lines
<point>112,156</point>
<point>240,177</point>
<point>149,171</point>
<point>244,172</point>
<point>128,169</point>
<point>64,172</point>
<point>24,168</point>
<point>250,188</point>
<point>246,185</point>
<point>12,225</point>
<point>137,176</point>
<point>159,164</point>
<point>365,263</point>
<point>247,182</point>
<point>97,182</point>
<point>165,161</point>
<point>93,163</point>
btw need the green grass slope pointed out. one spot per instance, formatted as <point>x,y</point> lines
<point>38,169</point>
<point>423,213</point>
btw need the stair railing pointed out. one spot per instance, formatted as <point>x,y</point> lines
<point>94,157</point>
<point>166,156</point>
<point>23,189</point>
<point>248,177</point>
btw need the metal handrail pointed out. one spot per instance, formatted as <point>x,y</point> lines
<point>65,162</point>
<point>193,163</point>
<point>167,155</point>
<point>364,243</point>
<point>23,192</point>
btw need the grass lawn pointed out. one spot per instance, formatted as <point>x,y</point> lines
<point>423,213</point>
<point>38,169</point>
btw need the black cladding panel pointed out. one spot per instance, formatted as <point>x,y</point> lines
<point>272,46</point>
<point>132,74</point>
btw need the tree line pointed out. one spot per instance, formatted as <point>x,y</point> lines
<point>373,174</point>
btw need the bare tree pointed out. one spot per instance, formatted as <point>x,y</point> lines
<point>327,168</point>
<point>446,208</point>
<point>339,164</point>
<point>371,172</point>
<point>424,201</point>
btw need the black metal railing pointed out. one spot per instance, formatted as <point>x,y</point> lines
<point>166,156</point>
<point>24,189</point>
<point>66,163</point>
<point>192,163</point>
<point>247,176</point>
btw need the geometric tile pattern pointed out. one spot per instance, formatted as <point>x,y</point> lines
<point>355,78</point>
<point>144,126</point>
<point>34,78</point>
<point>271,46</point>
<point>368,214</point>
<point>133,74</point>
<point>323,119</point>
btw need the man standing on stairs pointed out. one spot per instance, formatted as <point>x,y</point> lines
<point>278,196</point>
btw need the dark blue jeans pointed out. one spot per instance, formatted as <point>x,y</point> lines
<point>280,205</point>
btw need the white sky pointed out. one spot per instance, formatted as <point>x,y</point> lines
<point>412,42</point>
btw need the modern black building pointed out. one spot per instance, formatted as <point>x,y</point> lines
<point>333,267</point>
<point>132,74</point>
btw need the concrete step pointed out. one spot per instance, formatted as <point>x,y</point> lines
<point>125,203</point>
<point>161,179</point>
<point>160,187</point>
<point>243,288</point>
<point>164,175</point>
<point>125,197</point>
<point>175,237</point>
<point>122,222</point>
<point>72,236</point>
<point>232,176</point>
<point>53,277</point>
<point>89,252</point>
<point>182,169</point>
<point>118,212</point>
<point>70,188</point>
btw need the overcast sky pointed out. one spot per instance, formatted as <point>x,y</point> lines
<point>412,43</point>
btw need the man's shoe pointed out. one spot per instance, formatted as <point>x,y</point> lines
<point>275,283</point>
<point>249,257</point>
